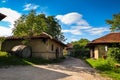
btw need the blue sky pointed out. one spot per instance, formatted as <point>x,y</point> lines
<point>78,18</point>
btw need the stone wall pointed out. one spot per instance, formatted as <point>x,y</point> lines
<point>45,48</point>
<point>99,51</point>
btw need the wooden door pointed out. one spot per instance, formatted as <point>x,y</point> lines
<point>57,53</point>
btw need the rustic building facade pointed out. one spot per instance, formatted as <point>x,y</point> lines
<point>42,46</point>
<point>100,46</point>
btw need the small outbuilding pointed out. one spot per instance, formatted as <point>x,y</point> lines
<point>42,45</point>
<point>69,49</point>
<point>100,46</point>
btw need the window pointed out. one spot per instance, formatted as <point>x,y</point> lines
<point>106,48</point>
<point>52,47</point>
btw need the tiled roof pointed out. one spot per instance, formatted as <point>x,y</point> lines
<point>70,45</point>
<point>57,41</point>
<point>42,35</point>
<point>109,38</point>
<point>2,16</point>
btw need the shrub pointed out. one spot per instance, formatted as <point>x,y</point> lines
<point>80,51</point>
<point>105,67</point>
<point>79,48</point>
<point>114,52</point>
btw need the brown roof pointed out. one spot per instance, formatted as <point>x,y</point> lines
<point>69,46</point>
<point>109,38</point>
<point>57,41</point>
<point>43,35</point>
<point>2,16</point>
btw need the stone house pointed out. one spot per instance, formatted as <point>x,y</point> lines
<point>2,16</point>
<point>42,46</point>
<point>69,49</point>
<point>100,46</point>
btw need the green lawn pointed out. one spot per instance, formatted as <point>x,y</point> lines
<point>8,60</point>
<point>105,68</point>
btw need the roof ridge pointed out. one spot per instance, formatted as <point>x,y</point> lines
<point>100,37</point>
<point>114,32</point>
<point>111,37</point>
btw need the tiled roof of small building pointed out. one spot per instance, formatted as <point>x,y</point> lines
<point>109,38</point>
<point>2,16</point>
<point>69,45</point>
<point>42,35</point>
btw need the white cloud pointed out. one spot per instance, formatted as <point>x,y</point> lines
<point>97,31</point>
<point>4,1</point>
<point>5,31</point>
<point>75,19</point>
<point>82,22</point>
<point>11,17</point>
<point>72,18</point>
<point>75,32</point>
<point>77,24</point>
<point>59,17</point>
<point>74,39</point>
<point>80,27</point>
<point>69,18</point>
<point>30,6</point>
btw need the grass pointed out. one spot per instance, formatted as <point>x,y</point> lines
<point>105,68</point>
<point>9,60</point>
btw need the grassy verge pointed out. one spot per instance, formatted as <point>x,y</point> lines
<point>105,68</point>
<point>8,60</point>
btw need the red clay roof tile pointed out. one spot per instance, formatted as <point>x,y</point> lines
<point>109,38</point>
<point>42,35</point>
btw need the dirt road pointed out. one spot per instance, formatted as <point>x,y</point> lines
<point>70,69</point>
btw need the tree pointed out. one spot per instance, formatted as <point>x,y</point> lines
<point>33,24</point>
<point>53,30</point>
<point>115,22</point>
<point>114,51</point>
<point>82,42</point>
<point>79,48</point>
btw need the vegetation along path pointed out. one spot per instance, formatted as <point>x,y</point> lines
<point>70,69</point>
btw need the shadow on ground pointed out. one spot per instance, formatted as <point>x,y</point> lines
<point>9,60</point>
<point>73,64</point>
<point>29,73</point>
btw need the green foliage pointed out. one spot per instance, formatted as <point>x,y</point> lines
<point>111,61</point>
<point>33,24</point>
<point>105,68</point>
<point>114,52</point>
<point>115,22</point>
<point>79,48</point>
<point>2,39</point>
<point>99,64</point>
<point>7,60</point>
<point>25,42</point>
<point>82,42</point>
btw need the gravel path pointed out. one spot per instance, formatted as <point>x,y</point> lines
<point>70,69</point>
